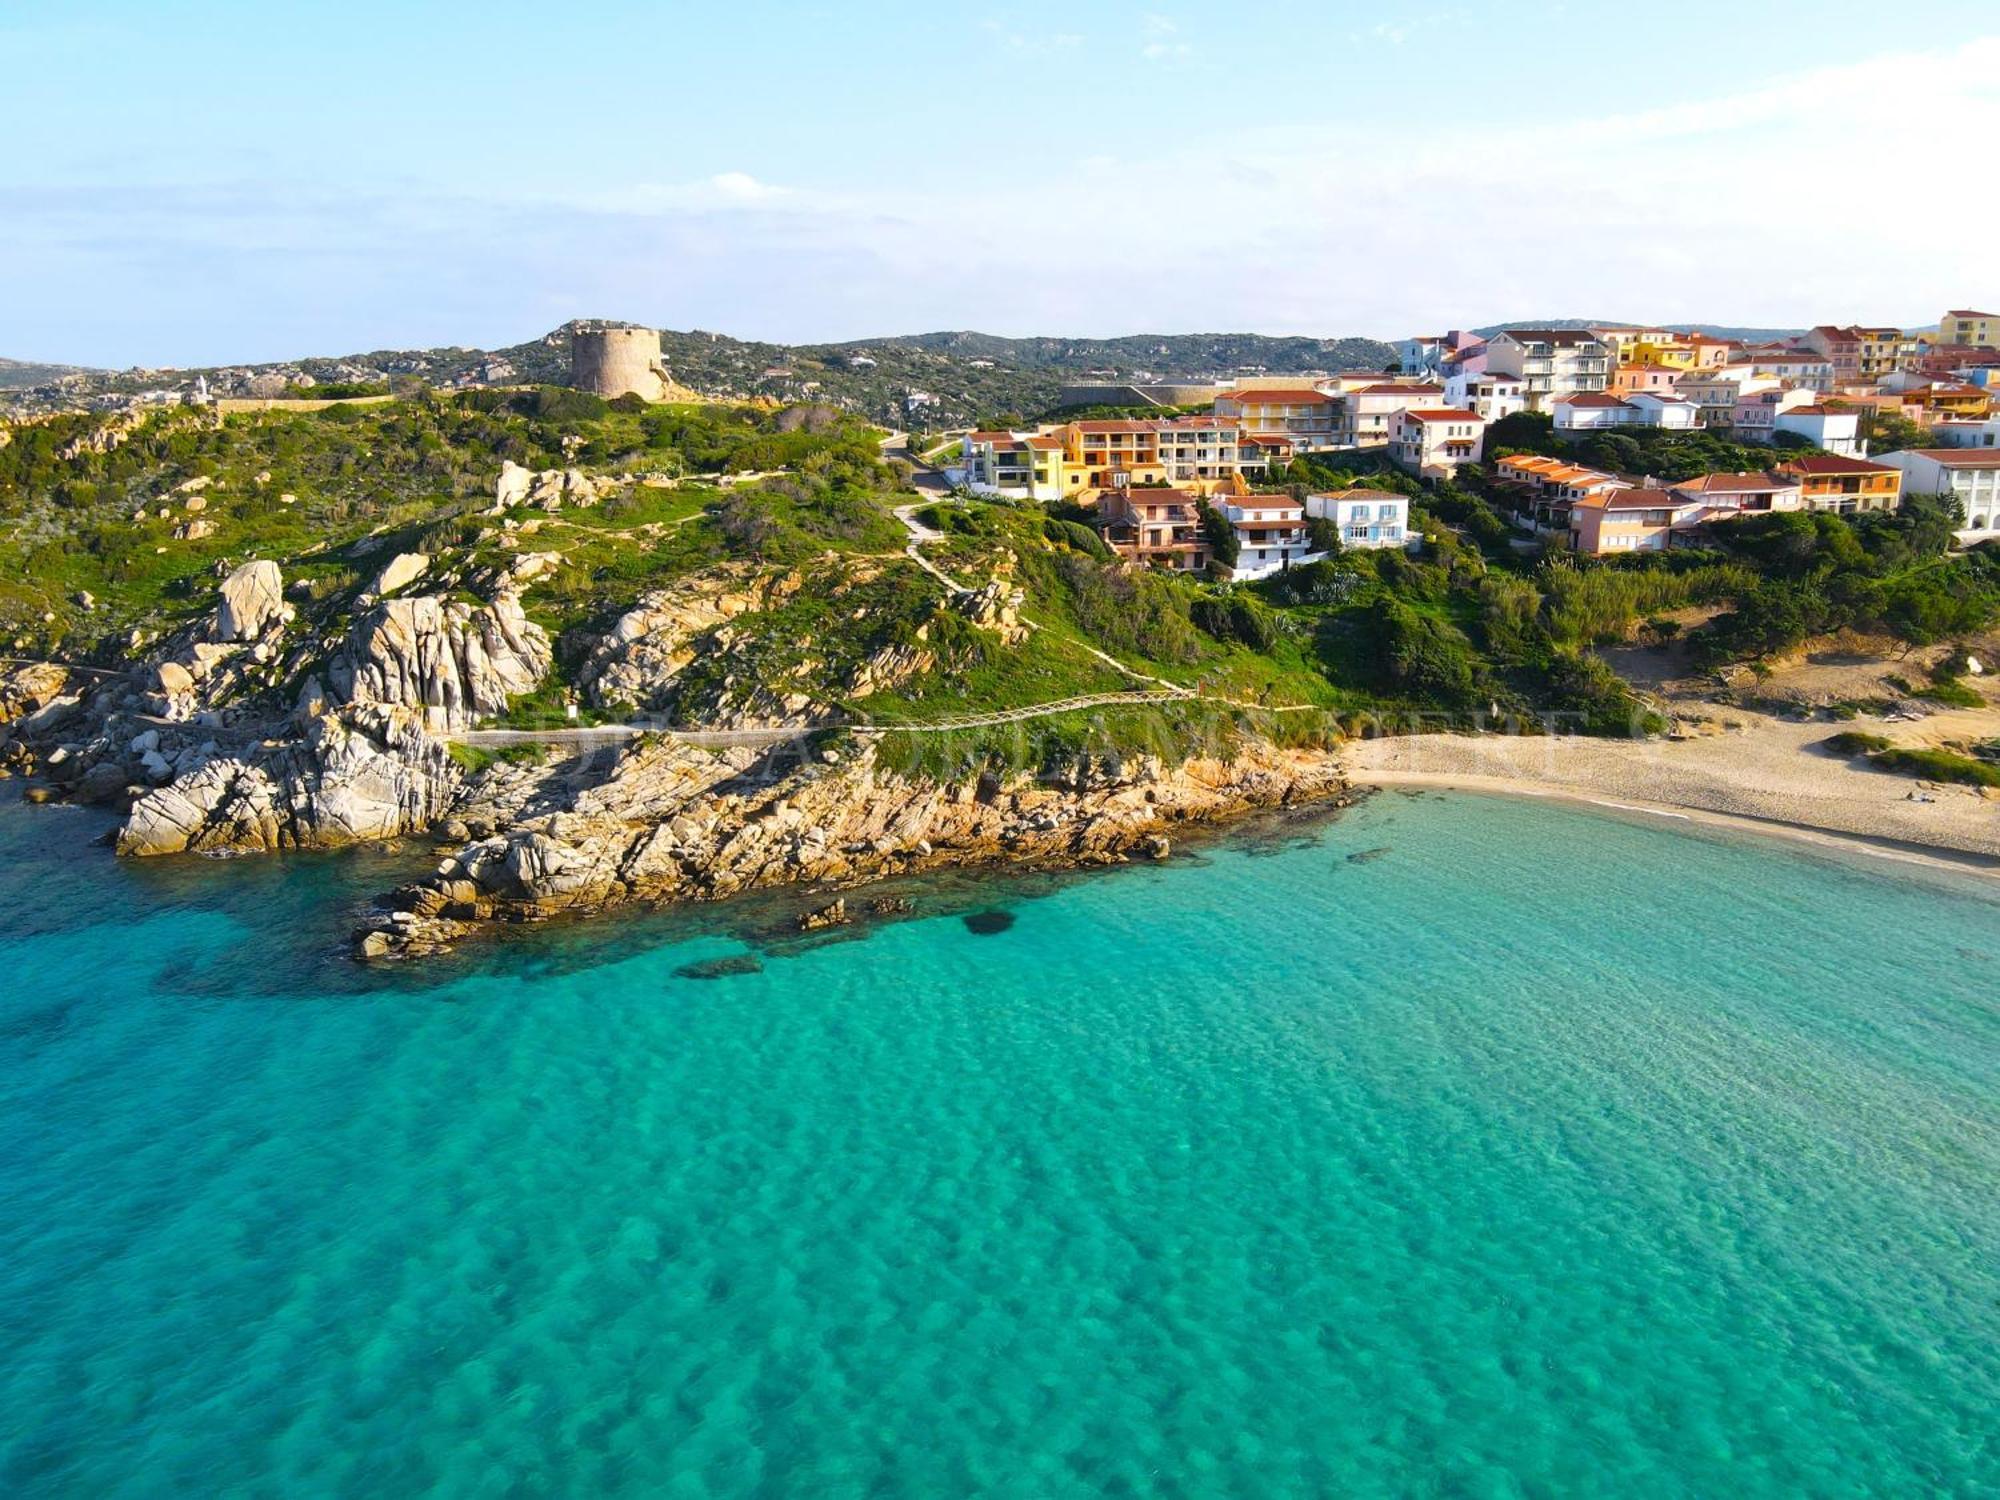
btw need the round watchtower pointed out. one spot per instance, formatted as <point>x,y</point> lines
<point>620,360</point>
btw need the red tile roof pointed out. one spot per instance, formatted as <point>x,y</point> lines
<point>1281,397</point>
<point>1962,458</point>
<point>1829,463</point>
<point>1441,414</point>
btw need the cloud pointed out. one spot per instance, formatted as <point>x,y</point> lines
<point>1027,43</point>
<point>1163,41</point>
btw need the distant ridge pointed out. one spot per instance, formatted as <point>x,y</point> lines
<point>1713,330</point>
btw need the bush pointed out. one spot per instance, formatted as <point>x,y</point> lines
<point>1236,618</point>
<point>1078,536</point>
<point>1855,742</point>
<point>1938,765</point>
<point>1422,657</point>
<point>1951,693</point>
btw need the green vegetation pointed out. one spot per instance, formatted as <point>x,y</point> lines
<point>1938,765</point>
<point>1855,742</point>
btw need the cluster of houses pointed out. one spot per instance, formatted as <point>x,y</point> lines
<point>1148,479</point>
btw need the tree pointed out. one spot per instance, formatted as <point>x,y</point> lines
<point>1221,536</point>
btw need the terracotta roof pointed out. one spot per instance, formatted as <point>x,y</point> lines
<point>1964,312</point>
<point>1400,388</point>
<point>1962,458</point>
<point>1829,463</point>
<point>1296,397</point>
<point>1593,399</point>
<point>1817,411</point>
<point>1120,425</point>
<point>1045,444</point>
<point>1737,484</point>
<point>989,437</point>
<point>1361,494</point>
<point>1267,439</point>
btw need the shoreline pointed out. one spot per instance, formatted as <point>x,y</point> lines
<point>1901,851</point>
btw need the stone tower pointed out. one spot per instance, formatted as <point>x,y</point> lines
<point>617,359</point>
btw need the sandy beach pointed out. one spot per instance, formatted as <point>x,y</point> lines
<point>1762,773</point>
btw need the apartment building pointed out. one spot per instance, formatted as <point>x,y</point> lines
<point>1548,488</point>
<point>1630,518</point>
<point>1200,450</point>
<point>1980,330</point>
<point>1366,519</point>
<point>1791,365</point>
<point>1488,396</point>
<point>1834,428</point>
<point>1859,356</point>
<point>1756,416</point>
<point>1020,465</point>
<point>1955,433</point>
<point>1550,362</point>
<point>1971,476</point>
<point>1435,442</point>
<point>1112,454</point>
<point>1159,527</point>
<point>1723,496</point>
<point>1365,414</point>
<point>1714,393</point>
<point>1844,485</point>
<point>1303,414</point>
<point>1585,412</point>
<point>1626,379</point>
<point>1270,534</point>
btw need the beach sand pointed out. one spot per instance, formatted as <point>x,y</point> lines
<point>1749,769</point>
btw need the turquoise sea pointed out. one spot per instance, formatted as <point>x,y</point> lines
<point>1453,1147</point>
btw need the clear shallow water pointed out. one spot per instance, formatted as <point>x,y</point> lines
<point>1544,1153</point>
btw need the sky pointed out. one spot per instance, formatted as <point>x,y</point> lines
<point>202,182</point>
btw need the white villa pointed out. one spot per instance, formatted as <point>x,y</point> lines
<point>1365,518</point>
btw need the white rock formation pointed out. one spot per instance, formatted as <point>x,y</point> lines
<point>253,599</point>
<point>453,664</point>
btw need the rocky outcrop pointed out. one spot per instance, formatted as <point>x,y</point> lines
<point>365,772</point>
<point>640,661</point>
<point>253,600</point>
<point>451,663</point>
<point>546,488</point>
<point>676,823</point>
<point>397,574</point>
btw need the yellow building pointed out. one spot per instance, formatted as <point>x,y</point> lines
<point>1963,326</point>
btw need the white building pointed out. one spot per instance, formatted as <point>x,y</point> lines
<point>1488,396</point>
<point>1834,428</point>
<point>1368,519</point>
<point>1965,432</point>
<point>1756,416</point>
<point>1366,411</point>
<point>1596,411</point>
<point>1270,534</point>
<point>1550,362</point>
<point>1970,476</point>
<point>1434,442</point>
<point>1789,363</point>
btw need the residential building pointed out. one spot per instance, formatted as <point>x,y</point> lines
<point>1256,452</point>
<point>1366,414</point>
<point>1961,326</point>
<point>1714,393</point>
<point>1835,428</point>
<point>1488,396</point>
<point>1844,485</point>
<point>1756,416</point>
<point>1630,518</point>
<point>1548,488</point>
<point>1971,476</point>
<point>1366,519</point>
<point>1304,415</point>
<point>1625,379</point>
<point>1023,465</point>
<point>1550,362</point>
<point>1722,496</point>
<point>1859,356</point>
<point>1434,442</point>
<point>1427,353</point>
<point>1270,534</point>
<point>1791,365</point>
<point>1596,412</point>
<point>1157,527</point>
<point>1112,454</point>
<point>1955,433</point>
<point>1200,450</point>
<point>1936,400</point>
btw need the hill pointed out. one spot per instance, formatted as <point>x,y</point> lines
<point>18,374</point>
<point>1713,330</point>
<point>934,380</point>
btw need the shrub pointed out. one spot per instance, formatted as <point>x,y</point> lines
<point>1855,742</point>
<point>1236,618</point>
<point>1938,765</point>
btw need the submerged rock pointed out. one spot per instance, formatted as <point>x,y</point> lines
<point>987,923</point>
